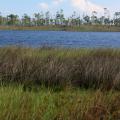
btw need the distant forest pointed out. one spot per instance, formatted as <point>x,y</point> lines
<point>45,19</point>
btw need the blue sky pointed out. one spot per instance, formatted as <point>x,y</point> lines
<point>31,6</point>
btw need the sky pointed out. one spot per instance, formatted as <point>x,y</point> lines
<point>80,6</point>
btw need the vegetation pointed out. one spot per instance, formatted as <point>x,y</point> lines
<point>82,28</point>
<point>52,67</point>
<point>60,22</point>
<point>70,104</point>
<point>59,84</point>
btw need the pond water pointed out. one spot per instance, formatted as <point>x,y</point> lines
<point>60,39</point>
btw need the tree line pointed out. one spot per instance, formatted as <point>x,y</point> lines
<point>45,19</point>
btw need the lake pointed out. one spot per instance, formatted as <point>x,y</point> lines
<point>60,39</point>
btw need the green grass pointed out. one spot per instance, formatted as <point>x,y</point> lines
<point>68,104</point>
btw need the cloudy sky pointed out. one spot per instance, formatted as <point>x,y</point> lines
<point>81,6</point>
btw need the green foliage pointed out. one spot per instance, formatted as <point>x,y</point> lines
<point>26,20</point>
<point>59,19</point>
<point>12,19</point>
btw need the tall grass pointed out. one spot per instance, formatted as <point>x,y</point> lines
<point>55,81</point>
<point>52,67</point>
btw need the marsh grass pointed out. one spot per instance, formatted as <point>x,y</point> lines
<point>82,28</point>
<point>59,84</point>
<point>60,67</point>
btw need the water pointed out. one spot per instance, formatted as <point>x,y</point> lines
<point>60,38</point>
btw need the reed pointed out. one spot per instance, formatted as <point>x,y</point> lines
<point>60,67</point>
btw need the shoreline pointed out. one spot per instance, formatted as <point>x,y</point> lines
<point>82,28</point>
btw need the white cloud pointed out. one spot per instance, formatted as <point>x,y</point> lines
<point>52,5</point>
<point>57,2</point>
<point>86,5</point>
<point>43,6</point>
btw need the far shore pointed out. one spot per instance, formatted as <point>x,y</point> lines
<point>81,28</point>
